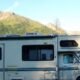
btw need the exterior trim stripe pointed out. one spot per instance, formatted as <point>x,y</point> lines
<point>27,37</point>
<point>69,68</point>
<point>28,69</point>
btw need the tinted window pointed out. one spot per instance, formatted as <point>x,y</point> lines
<point>68,43</point>
<point>37,52</point>
<point>68,58</point>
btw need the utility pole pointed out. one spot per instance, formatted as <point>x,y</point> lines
<point>57,24</point>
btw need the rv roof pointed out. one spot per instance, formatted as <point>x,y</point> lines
<point>26,37</point>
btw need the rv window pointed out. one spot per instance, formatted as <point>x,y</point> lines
<point>0,53</point>
<point>37,52</point>
<point>68,43</point>
<point>68,58</point>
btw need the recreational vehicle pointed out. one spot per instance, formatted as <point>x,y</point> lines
<point>40,57</point>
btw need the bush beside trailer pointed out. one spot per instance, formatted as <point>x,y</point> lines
<point>40,57</point>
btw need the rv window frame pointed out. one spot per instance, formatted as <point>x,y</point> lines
<point>51,46</point>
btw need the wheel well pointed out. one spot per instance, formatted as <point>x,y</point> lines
<point>78,78</point>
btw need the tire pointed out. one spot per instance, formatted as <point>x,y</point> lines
<point>78,78</point>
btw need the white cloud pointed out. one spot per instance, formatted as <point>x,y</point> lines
<point>15,5</point>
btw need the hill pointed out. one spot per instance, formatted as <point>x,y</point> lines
<point>11,23</point>
<point>56,28</point>
<point>73,32</point>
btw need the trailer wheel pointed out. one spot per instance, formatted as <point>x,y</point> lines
<point>78,78</point>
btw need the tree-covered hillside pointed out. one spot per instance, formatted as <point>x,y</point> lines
<point>11,23</point>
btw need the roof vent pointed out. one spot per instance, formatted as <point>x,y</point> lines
<point>32,34</point>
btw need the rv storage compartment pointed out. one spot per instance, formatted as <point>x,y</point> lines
<point>16,78</point>
<point>31,75</point>
<point>1,75</point>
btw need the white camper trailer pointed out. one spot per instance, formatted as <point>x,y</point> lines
<point>40,57</point>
